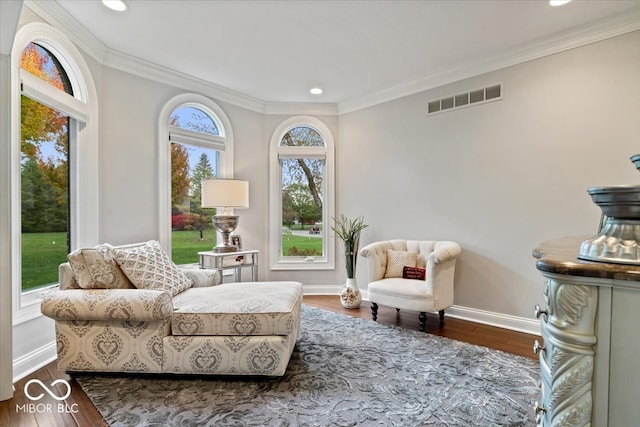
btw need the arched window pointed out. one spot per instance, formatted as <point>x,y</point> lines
<point>44,173</point>
<point>302,194</point>
<point>200,146</point>
<point>54,153</point>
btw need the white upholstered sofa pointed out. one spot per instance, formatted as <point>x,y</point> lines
<point>130,309</point>
<point>413,275</point>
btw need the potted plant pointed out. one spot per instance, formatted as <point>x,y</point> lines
<point>348,230</point>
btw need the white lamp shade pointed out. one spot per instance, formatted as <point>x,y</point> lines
<point>225,193</point>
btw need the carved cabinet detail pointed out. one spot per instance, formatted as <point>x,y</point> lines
<point>567,355</point>
<point>589,351</point>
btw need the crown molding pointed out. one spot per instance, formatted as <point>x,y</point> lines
<point>57,16</point>
<point>618,25</point>
<point>139,67</point>
<point>308,108</point>
<point>130,64</point>
<point>136,66</point>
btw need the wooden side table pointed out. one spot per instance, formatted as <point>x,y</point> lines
<point>231,261</point>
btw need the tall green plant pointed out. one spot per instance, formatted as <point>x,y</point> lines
<point>348,230</point>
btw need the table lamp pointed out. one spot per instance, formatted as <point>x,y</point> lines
<point>225,195</point>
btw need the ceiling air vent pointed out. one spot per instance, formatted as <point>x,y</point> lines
<point>474,97</point>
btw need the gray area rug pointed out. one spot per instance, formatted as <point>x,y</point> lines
<point>343,372</point>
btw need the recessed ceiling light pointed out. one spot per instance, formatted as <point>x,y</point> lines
<point>558,2</point>
<point>117,5</point>
<point>316,91</point>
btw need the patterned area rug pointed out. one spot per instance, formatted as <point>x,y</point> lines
<point>343,372</point>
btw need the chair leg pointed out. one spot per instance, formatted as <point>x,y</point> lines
<point>374,311</point>
<point>422,317</point>
<point>441,313</point>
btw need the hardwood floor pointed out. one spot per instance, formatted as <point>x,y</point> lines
<point>77,409</point>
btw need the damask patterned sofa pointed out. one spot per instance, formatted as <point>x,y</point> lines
<point>130,309</point>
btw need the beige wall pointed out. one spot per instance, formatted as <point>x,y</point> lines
<point>497,178</point>
<point>501,177</point>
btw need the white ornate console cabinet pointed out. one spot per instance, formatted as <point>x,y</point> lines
<point>590,357</point>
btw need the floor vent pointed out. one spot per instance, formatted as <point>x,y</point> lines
<point>474,97</point>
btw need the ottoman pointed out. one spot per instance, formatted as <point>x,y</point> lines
<point>246,328</point>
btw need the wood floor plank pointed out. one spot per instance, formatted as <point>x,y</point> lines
<point>83,413</point>
<point>18,416</point>
<point>78,404</point>
<point>5,409</point>
<point>49,412</point>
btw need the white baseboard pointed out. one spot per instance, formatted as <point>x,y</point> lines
<point>324,290</point>
<point>514,323</point>
<point>34,360</point>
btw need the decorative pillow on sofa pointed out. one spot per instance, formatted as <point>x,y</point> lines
<point>148,266</point>
<point>416,273</point>
<point>396,260</point>
<point>95,268</point>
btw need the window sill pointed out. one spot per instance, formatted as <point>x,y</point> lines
<point>302,264</point>
<point>29,304</point>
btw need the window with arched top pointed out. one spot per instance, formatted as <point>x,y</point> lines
<point>45,134</point>
<point>193,118</point>
<point>54,148</point>
<point>301,196</point>
<point>37,60</point>
<point>200,146</point>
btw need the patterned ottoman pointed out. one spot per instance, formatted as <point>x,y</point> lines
<point>247,328</point>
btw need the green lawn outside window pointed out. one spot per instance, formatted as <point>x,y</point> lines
<point>43,252</point>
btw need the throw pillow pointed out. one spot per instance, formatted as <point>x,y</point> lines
<point>95,268</point>
<point>416,273</point>
<point>396,260</point>
<point>148,266</point>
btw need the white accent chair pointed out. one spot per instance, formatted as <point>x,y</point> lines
<point>433,294</point>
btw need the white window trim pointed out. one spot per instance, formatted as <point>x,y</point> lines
<point>276,261</point>
<point>36,88</point>
<point>83,167</point>
<point>185,136</point>
<point>181,135</point>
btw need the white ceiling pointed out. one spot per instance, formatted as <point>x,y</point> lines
<point>275,51</point>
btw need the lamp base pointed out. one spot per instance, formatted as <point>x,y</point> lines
<point>225,224</point>
<point>222,248</point>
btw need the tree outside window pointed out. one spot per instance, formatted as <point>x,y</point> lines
<point>302,196</point>
<point>44,174</point>
<point>191,225</point>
